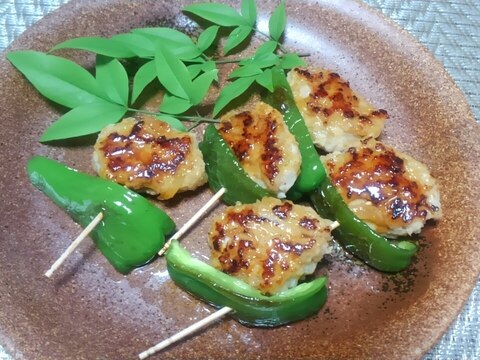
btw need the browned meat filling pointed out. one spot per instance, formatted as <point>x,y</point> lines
<point>270,244</point>
<point>149,156</point>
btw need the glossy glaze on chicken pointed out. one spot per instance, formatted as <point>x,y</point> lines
<point>336,117</point>
<point>265,148</point>
<point>392,192</point>
<point>148,155</point>
<point>270,244</point>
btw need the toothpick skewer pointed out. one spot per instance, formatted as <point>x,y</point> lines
<point>185,332</point>
<point>99,218</point>
<point>198,325</point>
<point>75,244</point>
<point>334,225</point>
<point>192,220</point>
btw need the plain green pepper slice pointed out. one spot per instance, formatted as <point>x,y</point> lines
<point>224,170</point>
<point>250,307</point>
<point>357,237</point>
<point>132,230</point>
<point>312,172</point>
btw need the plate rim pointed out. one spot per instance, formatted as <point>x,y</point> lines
<point>424,52</point>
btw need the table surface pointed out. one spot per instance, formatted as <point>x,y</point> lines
<point>450,29</point>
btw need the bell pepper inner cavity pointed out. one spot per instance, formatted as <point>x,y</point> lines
<point>132,230</point>
<point>224,170</point>
<point>357,237</point>
<point>250,307</point>
<point>312,172</point>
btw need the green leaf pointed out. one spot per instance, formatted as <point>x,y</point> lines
<point>277,22</point>
<point>84,120</point>
<point>219,14</point>
<point>245,71</point>
<point>202,84</point>
<point>265,79</point>
<point>172,73</point>
<point>209,65</point>
<point>174,105</point>
<point>262,61</point>
<point>144,76</point>
<point>249,11</point>
<point>167,34</point>
<point>207,37</point>
<point>266,47</point>
<point>196,69</point>
<point>197,60</point>
<point>177,42</point>
<point>264,56</point>
<point>98,45</point>
<point>113,79</point>
<point>232,91</point>
<point>173,122</point>
<point>56,78</point>
<point>140,45</point>
<point>290,61</point>
<point>236,37</point>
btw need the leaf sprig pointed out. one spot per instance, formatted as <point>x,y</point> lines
<point>175,61</point>
<point>258,68</point>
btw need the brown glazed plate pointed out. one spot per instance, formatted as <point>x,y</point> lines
<point>89,311</point>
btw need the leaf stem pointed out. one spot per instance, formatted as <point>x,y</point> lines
<point>228,61</point>
<point>194,126</point>
<point>196,119</point>
<point>144,111</point>
<point>232,61</point>
<point>280,46</point>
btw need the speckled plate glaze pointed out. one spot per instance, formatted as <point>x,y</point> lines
<point>88,311</point>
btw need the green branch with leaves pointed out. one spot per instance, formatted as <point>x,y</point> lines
<point>179,64</point>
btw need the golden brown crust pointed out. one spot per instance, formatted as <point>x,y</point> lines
<point>268,244</point>
<point>148,155</point>
<point>331,86</point>
<point>129,153</point>
<point>262,143</point>
<point>334,114</point>
<point>379,176</point>
<point>263,131</point>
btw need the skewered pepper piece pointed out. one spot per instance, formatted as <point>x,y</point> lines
<point>312,172</point>
<point>357,237</point>
<point>132,230</point>
<point>250,307</point>
<point>224,170</point>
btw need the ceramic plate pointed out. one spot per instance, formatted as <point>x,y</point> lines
<point>89,311</point>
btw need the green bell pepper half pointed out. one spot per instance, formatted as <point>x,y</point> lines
<point>224,170</point>
<point>312,172</point>
<point>132,230</point>
<point>357,237</point>
<point>250,307</point>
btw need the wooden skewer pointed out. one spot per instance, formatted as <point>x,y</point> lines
<point>198,325</point>
<point>334,225</point>
<point>185,332</point>
<point>74,244</point>
<point>192,220</point>
<point>99,217</point>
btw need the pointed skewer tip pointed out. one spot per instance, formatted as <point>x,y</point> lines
<point>88,229</point>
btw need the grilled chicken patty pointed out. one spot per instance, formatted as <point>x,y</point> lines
<point>336,117</point>
<point>150,156</point>
<point>392,192</point>
<point>270,244</point>
<point>266,150</point>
